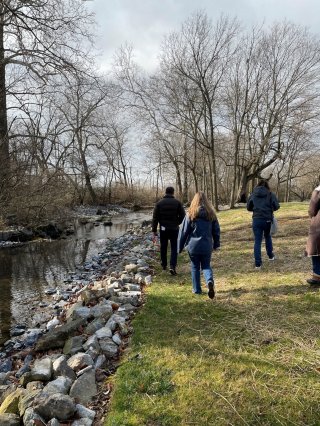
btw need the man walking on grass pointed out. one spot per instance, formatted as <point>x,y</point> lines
<point>168,213</point>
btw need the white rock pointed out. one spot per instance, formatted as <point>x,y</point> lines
<point>131,268</point>
<point>148,280</point>
<point>79,361</point>
<point>53,323</point>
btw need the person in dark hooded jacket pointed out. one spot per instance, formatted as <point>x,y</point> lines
<point>200,232</point>
<point>262,202</point>
<point>168,213</point>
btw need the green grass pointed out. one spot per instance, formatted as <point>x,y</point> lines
<point>250,357</point>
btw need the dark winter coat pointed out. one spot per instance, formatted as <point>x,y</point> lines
<point>262,203</point>
<point>168,213</point>
<point>313,243</point>
<point>200,235</point>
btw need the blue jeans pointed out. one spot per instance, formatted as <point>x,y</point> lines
<point>261,228</point>
<point>316,264</point>
<point>165,237</point>
<point>200,261</point>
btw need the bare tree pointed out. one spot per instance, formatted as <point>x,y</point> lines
<point>82,103</point>
<point>273,89</point>
<point>201,54</point>
<point>42,38</point>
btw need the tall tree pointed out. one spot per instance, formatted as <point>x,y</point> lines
<point>273,88</point>
<point>43,38</point>
<point>201,53</point>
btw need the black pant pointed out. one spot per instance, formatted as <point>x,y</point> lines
<point>172,236</point>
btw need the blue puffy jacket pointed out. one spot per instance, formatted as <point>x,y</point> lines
<point>262,203</point>
<point>201,235</point>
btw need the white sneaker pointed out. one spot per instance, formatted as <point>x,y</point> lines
<point>272,258</point>
<point>258,268</point>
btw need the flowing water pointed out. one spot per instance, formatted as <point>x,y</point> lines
<point>27,271</point>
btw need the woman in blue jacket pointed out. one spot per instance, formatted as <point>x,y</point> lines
<point>200,232</point>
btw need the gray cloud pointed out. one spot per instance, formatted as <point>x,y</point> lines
<point>144,23</point>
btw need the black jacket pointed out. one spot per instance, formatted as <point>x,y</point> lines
<point>262,203</point>
<point>169,213</point>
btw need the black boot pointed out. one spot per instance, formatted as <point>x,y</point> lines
<point>211,292</point>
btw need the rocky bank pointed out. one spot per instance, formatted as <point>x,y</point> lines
<point>54,371</point>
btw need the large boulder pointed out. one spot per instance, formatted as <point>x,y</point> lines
<point>56,338</point>
<point>41,371</point>
<point>103,332</point>
<point>85,387</point>
<point>108,347</point>
<point>57,405</point>
<point>11,403</point>
<point>59,385</point>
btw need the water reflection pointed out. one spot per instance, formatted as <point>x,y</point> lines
<point>25,272</point>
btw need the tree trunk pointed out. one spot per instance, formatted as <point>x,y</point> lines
<point>243,185</point>
<point>214,176</point>
<point>178,178</point>
<point>195,180</point>
<point>210,182</point>
<point>185,173</point>
<point>87,177</point>
<point>4,141</point>
<point>235,167</point>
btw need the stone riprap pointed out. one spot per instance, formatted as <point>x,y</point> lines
<point>52,367</point>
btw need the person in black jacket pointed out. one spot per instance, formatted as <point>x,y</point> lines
<point>262,202</point>
<point>168,213</point>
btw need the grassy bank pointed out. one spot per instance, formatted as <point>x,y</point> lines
<point>250,357</point>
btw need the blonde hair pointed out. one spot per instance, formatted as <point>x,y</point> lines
<point>198,201</point>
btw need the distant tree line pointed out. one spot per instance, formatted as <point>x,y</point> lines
<point>224,108</point>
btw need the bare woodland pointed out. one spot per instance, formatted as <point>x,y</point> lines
<point>224,107</point>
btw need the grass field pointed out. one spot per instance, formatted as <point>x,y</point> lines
<point>250,357</point>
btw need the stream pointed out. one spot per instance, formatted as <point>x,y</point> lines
<point>27,271</point>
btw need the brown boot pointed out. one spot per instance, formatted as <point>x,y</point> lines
<point>315,280</point>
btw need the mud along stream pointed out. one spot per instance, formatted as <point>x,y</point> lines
<point>27,271</point>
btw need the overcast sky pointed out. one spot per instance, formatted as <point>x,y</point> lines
<point>143,23</point>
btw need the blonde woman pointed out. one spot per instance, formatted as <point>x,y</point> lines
<point>200,232</point>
